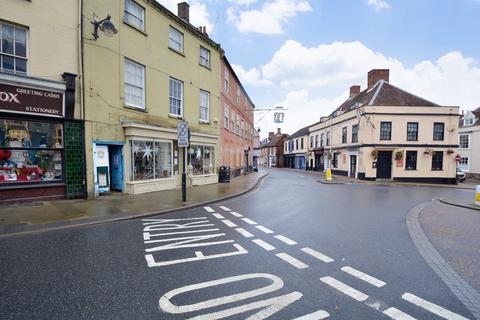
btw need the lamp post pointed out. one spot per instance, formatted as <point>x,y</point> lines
<point>105,25</point>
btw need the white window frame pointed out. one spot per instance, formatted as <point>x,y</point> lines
<point>126,84</point>
<point>238,95</point>
<point>226,83</point>
<point>174,31</point>
<point>207,107</point>
<point>126,14</point>
<point>226,116</point>
<point>205,61</point>
<point>459,140</point>
<point>176,98</point>
<point>462,166</point>
<point>13,55</point>
<point>468,121</point>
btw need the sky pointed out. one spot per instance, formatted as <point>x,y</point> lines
<point>304,55</point>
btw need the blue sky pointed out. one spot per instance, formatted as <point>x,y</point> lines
<point>305,54</point>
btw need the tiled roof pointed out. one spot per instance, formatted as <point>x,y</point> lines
<point>476,113</point>
<point>276,139</point>
<point>299,133</point>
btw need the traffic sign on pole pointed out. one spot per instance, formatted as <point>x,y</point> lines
<point>183,135</point>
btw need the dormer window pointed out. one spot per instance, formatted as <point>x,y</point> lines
<point>468,121</point>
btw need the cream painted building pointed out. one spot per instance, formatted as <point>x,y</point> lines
<point>157,71</point>
<point>41,128</point>
<point>384,132</point>
<point>295,150</point>
<point>469,143</point>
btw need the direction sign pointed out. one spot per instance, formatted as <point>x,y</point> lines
<point>183,135</point>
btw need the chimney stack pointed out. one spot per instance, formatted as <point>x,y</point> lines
<point>279,131</point>
<point>354,90</point>
<point>184,11</point>
<point>376,75</point>
<point>270,135</point>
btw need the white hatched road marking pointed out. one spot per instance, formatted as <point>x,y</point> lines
<point>436,309</point>
<point>363,276</point>
<point>218,216</point>
<point>264,229</point>
<point>249,221</point>
<point>293,261</point>
<point>225,209</point>
<point>342,287</point>
<point>229,223</point>
<point>236,214</point>
<point>264,245</point>
<point>317,315</point>
<point>244,232</point>
<point>286,240</point>
<point>318,255</point>
<point>397,314</point>
<point>209,209</point>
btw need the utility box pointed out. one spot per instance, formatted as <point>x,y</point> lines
<point>224,174</point>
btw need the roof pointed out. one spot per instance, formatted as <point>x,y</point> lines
<point>476,113</point>
<point>299,133</point>
<point>276,139</point>
<point>227,63</point>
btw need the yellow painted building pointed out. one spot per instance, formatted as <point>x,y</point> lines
<point>154,71</point>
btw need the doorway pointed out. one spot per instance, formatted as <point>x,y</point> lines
<point>108,161</point>
<point>116,165</point>
<point>384,165</point>
<point>353,166</point>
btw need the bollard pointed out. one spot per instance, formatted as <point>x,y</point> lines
<point>477,195</point>
<point>329,175</point>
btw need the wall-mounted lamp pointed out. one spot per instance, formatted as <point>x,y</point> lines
<point>105,25</point>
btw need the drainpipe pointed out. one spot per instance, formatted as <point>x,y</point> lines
<point>82,99</point>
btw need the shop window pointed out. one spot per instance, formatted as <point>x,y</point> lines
<point>335,160</point>
<point>30,151</point>
<point>201,159</point>
<point>150,160</point>
<point>437,161</point>
<point>13,49</point>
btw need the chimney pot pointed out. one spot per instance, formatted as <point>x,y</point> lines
<point>376,75</point>
<point>279,131</point>
<point>354,90</point>
<point>184,11</point>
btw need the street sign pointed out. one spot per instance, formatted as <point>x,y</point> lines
<point>458,158</point>
<point>278,117</point>
<point>183,135</point>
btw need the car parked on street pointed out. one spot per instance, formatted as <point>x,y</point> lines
<point>460,175</point>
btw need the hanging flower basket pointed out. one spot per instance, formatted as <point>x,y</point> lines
<point>450,151</point>
<point>428,151</point>
<point>399,155</point>
<point>374,154</point>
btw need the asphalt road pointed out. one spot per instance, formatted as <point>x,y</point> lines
<point>293,248</point>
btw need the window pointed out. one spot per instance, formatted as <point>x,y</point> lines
<point>30,151</point>
<point>176,97</point>
<point>150,160</point>
<point>385,131</point>
<point>134,14</point>
<point>311,142</point>
<point>175,40</point>
<point>437,161</point>
<point>464,141</point>
<point>13,49</point>
<point>232,126</point>
<point>355,133</point>
<point>301,143</point>
<point>296,144</point>
<point>201,159</point>
<point>438,131</point>
<point>226,83</point>
<point>316,141</point>
<point>225,116</point>
<point>237,124</point>
<point>335,160</point>
<point>328,139</point>
<point>204,105</point>
<point>463,164</point>
<point>412,131</point>
<point>468,121</point>
<point>321,139</point>
<point>411,160</point>
<point>238,95</point>
<point>344,135</point>
<point>204,57</point>
<point>134,84</point>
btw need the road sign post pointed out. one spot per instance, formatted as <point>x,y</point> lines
<point>183,142</point>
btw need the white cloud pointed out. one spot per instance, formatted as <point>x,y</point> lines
<point>269,19</point>
<point>199,15</point>
<point>378,4</point>
<point>251,76</point>
<point>242,2</point>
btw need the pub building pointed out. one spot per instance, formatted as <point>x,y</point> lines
<point>41,144</point>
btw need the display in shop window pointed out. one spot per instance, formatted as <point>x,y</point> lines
<point>151,160</point>
<point>201,160</point>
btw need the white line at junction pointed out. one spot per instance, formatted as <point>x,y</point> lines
<point>249,221</point>
<point>229,223</point>
<point>209,209</point>
<point>218,216</point>
<point>433,308</point>
<point>345,289</point>
<point>293,261</point>
<point>236,214</point>
<point>320,256</point>
<point>317,315</point>
<point>264,229</point>
<point>286,240</point>
<point>363,276</point>
<point>264,245</point>
<point>396,314</point>
<point>244,232</point>
<point>225,208</point>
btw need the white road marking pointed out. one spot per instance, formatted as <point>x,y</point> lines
<point>288,241</point>
<point>218,216</point>
<point>363,276</point>
<point>439,311</point>
<point>249,221</point>
<point>397,314</point>
<point>264,245</point>
<point>317,315</point>
<point>342,287</point>
<point>236,214</point>
<point>225,208</point>
<point>148,235</point>
<point>229,223</point>
<point>294,262</point>
<point>209,209</point>
<point>244,232</point>
<point>318,255</point>
<point>264,229</point>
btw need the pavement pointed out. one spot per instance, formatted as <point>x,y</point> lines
<point>290,249</point>
<point>48,215</point>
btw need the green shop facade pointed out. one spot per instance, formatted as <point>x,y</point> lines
<point>41,144</point>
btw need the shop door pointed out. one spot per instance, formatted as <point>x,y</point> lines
<point>384,165</point>
<point>353,166</point>
<point>116,168</point>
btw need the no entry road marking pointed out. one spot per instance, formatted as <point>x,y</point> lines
<point>363,276</point>
<point>244,232</point>
<point>293,261</point>
<point>433,308</point>
<point>264,245</point>
<point>264,229</point>
<point>249,221</point>
<point>286,240</point>
<point>397,314</point>
<point>345,289</point>
<point>229,223</point>
<point>320,256</point>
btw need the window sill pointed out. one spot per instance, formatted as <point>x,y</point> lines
<point>410,169</point>
<point>135,28</point>
<point>172,177</point>
<point>134,108</point>
<point>177,52</point>
<point>175,116</point>
<point>206,67</point>
<point>204,122</point>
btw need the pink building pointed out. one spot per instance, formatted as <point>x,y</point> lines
<point>237,131</point>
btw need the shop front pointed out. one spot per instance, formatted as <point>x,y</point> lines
<point>41,152</point>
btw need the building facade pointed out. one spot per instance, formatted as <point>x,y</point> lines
<point>469,143</point>
<point>271,150</point>
<point>41,140</point>
<point>157,71</point>
<point>384,132</point>
<point>237,123</point>
<point>295,151</point>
